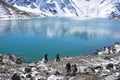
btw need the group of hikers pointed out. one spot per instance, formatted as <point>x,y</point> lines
<point>70,69</point>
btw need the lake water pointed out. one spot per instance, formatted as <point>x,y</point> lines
<point>32,38</point>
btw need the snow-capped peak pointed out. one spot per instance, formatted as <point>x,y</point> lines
<point>82,8</point>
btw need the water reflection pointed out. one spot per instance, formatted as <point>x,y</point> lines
<point>51,28</point>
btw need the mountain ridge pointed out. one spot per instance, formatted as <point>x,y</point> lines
<point>9,11</point>
<point>70,8</point>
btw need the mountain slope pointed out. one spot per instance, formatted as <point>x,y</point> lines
<point>48,7</point>
<point>82,8</point>
<point>9,11</point>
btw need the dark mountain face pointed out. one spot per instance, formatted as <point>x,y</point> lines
<point>10,11</point>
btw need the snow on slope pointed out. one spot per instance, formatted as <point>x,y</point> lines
<point>3,11</point>
<point>8,11</point>
<point>82,8</point>
<point>98,8</point>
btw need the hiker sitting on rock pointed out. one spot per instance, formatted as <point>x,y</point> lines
<point>68,68</point>
<point>74,69</point>
<point>57,57</point>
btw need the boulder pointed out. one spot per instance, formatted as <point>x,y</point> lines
<point>15,77</point>
<point>27,70</point>
<point>4,60</point>
<point>18,61</point>
<point>32,64</point>
<point>28,76</point>
<point>109,66</point>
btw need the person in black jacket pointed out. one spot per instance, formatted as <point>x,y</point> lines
<point>57,57</point>
<point>46,58</point>
<point>68,68</point>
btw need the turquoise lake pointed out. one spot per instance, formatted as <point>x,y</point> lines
<point>32,38</point>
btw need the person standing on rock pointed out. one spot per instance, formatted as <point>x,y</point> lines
<point>15,77</point>
<point>46,58</point>
<point>68,68</point>
<point>57,57</point>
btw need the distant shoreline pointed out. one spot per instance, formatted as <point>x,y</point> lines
<point>81,18</point>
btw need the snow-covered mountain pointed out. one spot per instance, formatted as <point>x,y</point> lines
<point>9,11</point>
<point>82,8</point>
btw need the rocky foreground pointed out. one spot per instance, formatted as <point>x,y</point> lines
<point>103,65</point>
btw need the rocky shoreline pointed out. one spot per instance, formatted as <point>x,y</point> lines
<point>103,65</point>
